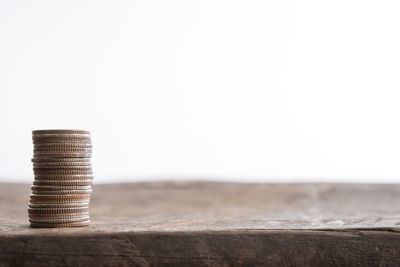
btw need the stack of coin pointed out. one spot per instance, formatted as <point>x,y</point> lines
<point>63,178</point>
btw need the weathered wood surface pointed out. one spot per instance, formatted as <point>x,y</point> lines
<point>207,223</point>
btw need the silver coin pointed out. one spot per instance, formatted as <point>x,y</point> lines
<point>65,167</point>
<point>61,135</point>
<point>62,155</point>
<point>60,187</point>
<point>63,183</point>
<point>60,211</point>
<point>62,192</point>
<point>63,163</point>
<point>61,131</point>
<point>65,176</point>
<point>62,145</point>
<point>62,141</point>
<point>49,159</point>
<point>59,201</point>
<point>60,225</point>
<point>62,150</point>
<point>60,220</point>
<point>60,205</point>
<point>64,216</point>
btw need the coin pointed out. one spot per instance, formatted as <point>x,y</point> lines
<point>60,220</point>
<point>57,218</point>
<point>62,150</point>
<point>57,210</point>
<point>68,177</point>
<point>63,172</point>
<point>62,160</point>
<point>63,146</point>
<point>72,142</point>
<point>59,201</point>
<point>63,183</point>
<point>60,135</point>
<point>63,168</point>
<point>60,131</point>
<point>59,205</point>
<point>60,225</point>
<point>59,197</point>
<point>61,141</point>
<point>73,211</point>
<point>61,192</point>
<point>62,155</point>
<point>60,165</point>
<point>62,187</point>
<point>38,152</point>
<point>51,137</point>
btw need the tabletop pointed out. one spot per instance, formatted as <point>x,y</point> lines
<point>212,223</point>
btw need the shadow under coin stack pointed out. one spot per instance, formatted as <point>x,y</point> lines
<point>63,178</point>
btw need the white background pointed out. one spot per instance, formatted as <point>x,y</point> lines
<point>226,90</point>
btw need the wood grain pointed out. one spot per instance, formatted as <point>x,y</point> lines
<point>213,224</point>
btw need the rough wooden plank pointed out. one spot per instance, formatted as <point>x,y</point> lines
<point>206,223</point>
<point>249,248</point>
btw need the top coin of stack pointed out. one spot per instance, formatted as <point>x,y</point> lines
<point>63,178</point>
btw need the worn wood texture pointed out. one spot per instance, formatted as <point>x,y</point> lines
<point>214,224</point>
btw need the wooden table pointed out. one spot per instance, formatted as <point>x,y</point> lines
<point>209,223</point>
